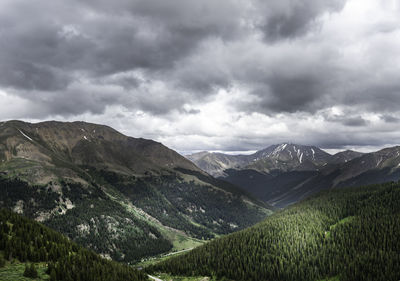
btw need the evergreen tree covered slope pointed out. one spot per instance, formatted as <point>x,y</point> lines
<point>348,234</point>
<point>26,240</point>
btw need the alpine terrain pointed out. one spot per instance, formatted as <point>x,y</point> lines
<point>126,198</point>
<point>286,173</point>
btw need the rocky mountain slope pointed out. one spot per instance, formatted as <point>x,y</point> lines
<point>344,156</point>
<point>126,198</point>
<point>216,163</point>
<point>376,167</point>
<point>288,157</point>
<point>286,173</point>
<point>273,159</point>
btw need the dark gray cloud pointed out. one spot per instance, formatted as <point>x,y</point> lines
<point>376,96</point>
<point>350,121</point>
<point>27,76</point>
<point>102,38</point>
<point>169,61</point>
<point>390,119</point>
<point>289,94</point>
<point>286,19</point>
<point>59,44</point>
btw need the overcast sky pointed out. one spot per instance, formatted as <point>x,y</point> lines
<point>230,75</point>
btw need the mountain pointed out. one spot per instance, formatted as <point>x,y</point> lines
<point>52,254</point>
<point>376,167</point>
<point>216,163</point>
<point>126,198</point>
<point>289,187</point>
<point>344,156</point>
<point>288,157</point>
<point>82,143</point>
<point>343,234</point>
<point>273,159</point>
<point>286,173</point>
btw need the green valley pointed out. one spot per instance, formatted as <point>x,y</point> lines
<point>343,234</point>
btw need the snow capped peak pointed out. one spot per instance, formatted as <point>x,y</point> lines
<point>291,155</point>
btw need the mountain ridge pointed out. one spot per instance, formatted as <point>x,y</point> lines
<point>68,140</point>
<point>283,174</point>
<point>275,158</point>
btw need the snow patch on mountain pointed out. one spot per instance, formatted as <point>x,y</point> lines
<point>25,135</point>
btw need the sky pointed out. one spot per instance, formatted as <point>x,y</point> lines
<point>228,75</point>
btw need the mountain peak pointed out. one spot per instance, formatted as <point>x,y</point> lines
<point>289,156</point>
<point>278,157</point>
<point>82,143</point>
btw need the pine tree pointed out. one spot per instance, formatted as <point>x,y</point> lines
<point>2,262</point>
<point>33,271</point>
<point>53,275</point>
<point>27,271</point>
<point>30,271</point>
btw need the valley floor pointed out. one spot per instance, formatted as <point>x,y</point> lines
<point>167,277</point>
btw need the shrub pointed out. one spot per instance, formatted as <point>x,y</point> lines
<point>30,271</point>
<point>2,262</point>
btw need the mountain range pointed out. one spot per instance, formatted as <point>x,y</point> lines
<point>286,173</point>
<point>104,190</point>
<point>129,199</point>
<point>276,158</point>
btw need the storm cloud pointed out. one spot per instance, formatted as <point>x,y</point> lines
<point>225,75</point>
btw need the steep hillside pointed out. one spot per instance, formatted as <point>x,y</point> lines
<point>273,159</point>
<point>344,234</point>
<point>289,157</point>
<point>284,174</point>
<point>216,163</point>
<point>386,159</point>
<point>376,167</point>
<point>344,156</point>
<point>80,143</point>
<point>23,240</point>
<point>123,197</point>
